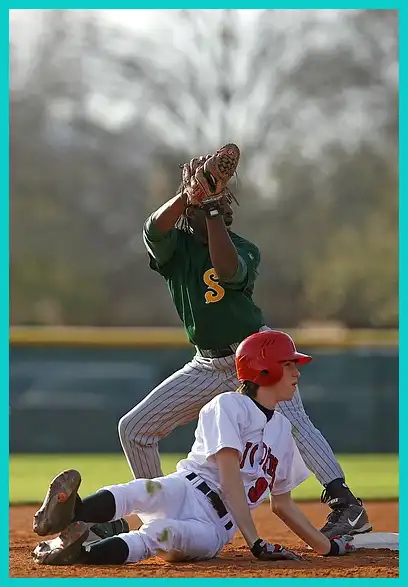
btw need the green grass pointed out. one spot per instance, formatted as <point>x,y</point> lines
<point>369,476</point>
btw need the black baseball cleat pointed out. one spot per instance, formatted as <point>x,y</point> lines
<point>66,549</point>
<point>57,510</point>
<point>346,518</point>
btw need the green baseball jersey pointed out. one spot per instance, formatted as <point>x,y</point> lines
<point>215,314</point>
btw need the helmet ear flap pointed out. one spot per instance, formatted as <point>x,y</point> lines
<point>270,376</point>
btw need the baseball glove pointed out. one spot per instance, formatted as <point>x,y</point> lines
<point>266,551</point>
<point>205,178</point>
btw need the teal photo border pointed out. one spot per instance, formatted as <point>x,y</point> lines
<point>5,247</point>
<point>4,250</point>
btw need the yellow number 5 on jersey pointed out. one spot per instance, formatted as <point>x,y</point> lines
<point>215,292</point>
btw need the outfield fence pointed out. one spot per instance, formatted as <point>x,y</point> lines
<point>70,386</point>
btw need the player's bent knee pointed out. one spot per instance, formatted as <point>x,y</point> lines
<point>123,426</point>
<point>129,426</point>
<point>136,428</point>
<point>163,538</point>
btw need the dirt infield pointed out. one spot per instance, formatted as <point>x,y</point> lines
<point>234,561</point>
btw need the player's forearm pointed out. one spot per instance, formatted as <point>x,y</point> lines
<point>284,507</point>
<point>233,493</point>
<point>224,255</point>
<point>167,215</point>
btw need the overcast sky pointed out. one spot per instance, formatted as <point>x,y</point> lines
<point>151,18</point>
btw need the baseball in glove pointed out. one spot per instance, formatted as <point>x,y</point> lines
<point>205,178</point>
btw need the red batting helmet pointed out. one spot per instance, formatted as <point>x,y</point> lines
<point>259,357</point>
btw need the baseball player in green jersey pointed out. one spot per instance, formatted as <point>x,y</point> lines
<point>210,272</point>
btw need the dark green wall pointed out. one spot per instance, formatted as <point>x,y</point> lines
<point>71,399</point>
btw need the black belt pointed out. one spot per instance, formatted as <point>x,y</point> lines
<point>213,498</point>
<point>216,353</point>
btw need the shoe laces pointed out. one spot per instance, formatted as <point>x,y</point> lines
<point>333,518</point>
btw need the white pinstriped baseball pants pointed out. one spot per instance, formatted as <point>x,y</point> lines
<point>178,400</point>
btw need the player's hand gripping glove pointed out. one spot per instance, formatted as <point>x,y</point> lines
<point>340,545</point>
<point>205,179</point>
<point>265,551</point>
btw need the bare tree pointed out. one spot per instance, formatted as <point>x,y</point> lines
<point>264,82</point>
<point>100,120</point>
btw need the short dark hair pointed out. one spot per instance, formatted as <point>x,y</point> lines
<point>248,388</point>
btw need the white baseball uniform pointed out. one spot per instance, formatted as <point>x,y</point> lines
<point>180,520</point>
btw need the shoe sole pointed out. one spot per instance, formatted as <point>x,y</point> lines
<point>58,507</point>
<point>363,530</point>
<point>63,550</point>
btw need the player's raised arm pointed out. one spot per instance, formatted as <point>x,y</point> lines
<point>223,253</point>
<point>159,234</point>
<point>208,196</point>
<point>286,509</point>
<point>165,218</point>
<point>167,215</point>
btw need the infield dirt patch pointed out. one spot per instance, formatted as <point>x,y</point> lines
<point>234,561</point>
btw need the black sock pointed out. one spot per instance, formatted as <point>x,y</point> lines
<point>110,551</point>
<point>98,507</point>
<point>338,488</point>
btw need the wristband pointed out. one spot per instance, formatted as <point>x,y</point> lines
<point>211,208</point>
<point>212,213</point>
<point>334,549</point>
<point>256,548</point>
